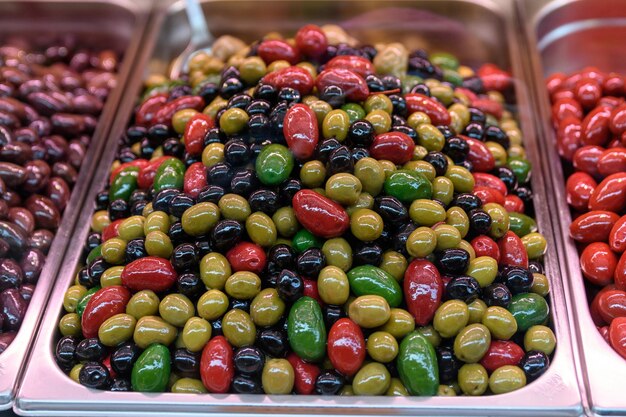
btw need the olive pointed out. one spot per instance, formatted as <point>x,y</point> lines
<point>264,200</point>
<point>369,253</point>
<point>185,363</point>
<point>273,342</point>
<point>249,360</point>
<point>123,358</point>
<point>94,375</point>
<point>226,234</point>
<point>277,377</point>
<point>329,382</point>
<point>472,343</point>
<point>280,257</point>
<point>382,347</point>
<point>120,385</point>
<point>534,364</point>
<point>185,257</point>
<point>540,338</point>
<point>361,133</point>
<point>90,349</point>
<point>371,379</point>
<point>518,280</point>
<point>480,221</point>
<point>473,379</point>
<point>310,262</point>
<point>244,384</point>
<point>497,295</point>
<point>190,285</point>
<point>331,314</point>
<point>463,288</point>
<point>65,352</point>
<point>467,202</point>
<point>290,286</point>
<point>448,364</point>
<point>452,261</point>
<point>392,211</point>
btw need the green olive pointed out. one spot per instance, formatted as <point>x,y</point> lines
<point>423,168</point>
<point>498,152</point>
<point>213,154</point>
<point>180,119</point>
<point>196,334</point>
<point>371,174</point>
<point>366,225</point>
<point>540,285</point>
<point>100,220</point>
<point>252,69</point>
<point>153,329</point>
<point>117,329</point>
<point>143,303</point>
<point>499,219</point>
<point>238,328</point>
<point>535,245</point>
<point>456,216</point>
<point>381,120</point>
<point>400,323</point>
<point>394,263</point>
<point>396,388</point>
<point>234,207</point>
<point>335,125</point>
<point>447,236</point>
<point>74,372</point>
<point>467,247</point>
<point>364,201</point>
<point>446,391</point>
<point>540,338</point>
<point>372,379</point>
<point>338,252</point>
<point>261,229</point>
<point>321,109</point>
<point>346,391</point>
<point>233,120</point>
<point>176,309</point>
<point>158,244</point>
<point>388,167</point>
<point>462,179</point>
<point>427,212</point>
<point>277,377</point>
<point>267,308</point>
<point>212,304</point>
<point>500,322</point>
<point>507,378</point>
<point>421,242</point>
<point>285,221</point>
<point>111,276</point>
<point>430,334</point>
<point>344,188</point>
<point>243,285</point>
<point>430,137</point>
<point>72,296</point>
<point>354,110</point>
<point>156,221</point>
<point>483,269</point>
<point>477,309</point>
<point>451,317</point>
<point>214,270</point>
<point>69,325</point>
<point>443,190</point>
<point>188,386</point>
<point>200,218</point>
<point>378,102</point>
<point>333,285</point>
<point>472,342</point>
<point>313,174</point>
<point>114,250</point>
<point>473,379</point>
<point>131,228</point>
<point>369,311</point>
<point>443,93</point>
<point>382,347</point>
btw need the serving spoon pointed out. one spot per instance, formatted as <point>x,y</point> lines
<point>201,39</point>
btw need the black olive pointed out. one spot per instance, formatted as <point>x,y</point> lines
<point>407,130</point>
<point>534,364</point>
<point>474,131</point>
<point>239,101</point>
<point>497,295</point>
<point>203,245</point>
<point>421,89</point>
<point>264,200</point>
<point>399,105</point>
<point>463,288</point>
<point>258,106</point>
<point>102,200</point>
<point>310,262</point>
<point>220,174</point>
<point>226,234</point>
<point>466,201</point>
<point>211,194</point>
<point>289,285</point>
<point>391,82</point>
<point>439,161</point>
<point>288,189</point>
<point>208,91</point>
<point>162,201</point>
<point>524,193</point>
<point>507,176</point>
<point>369,253</point>
<point>399,241</point>
<point>216,327</point>
<point>173,147</point>
<point>452,261</point>
<point>179,204</point>
<point>290,95</point>
<point>118,209</point>
<point>236,152</point>
<point>331,314</point>
<point>265,92</point>
<point>214,135</point>
<point>177,234</point>
<point>456,148</point>
<point>235,303</point>
<point>518,280</point>
<point>93,241</point>
<point>185,363</point>
<point>158,133</point>
<point>280,257</point>
<point>136,133</point>
<point>244,182</point>
<point>243,384</point>
<point>474,84</point>
<point>230,87</point>
<point>123,358</point>
<point>96,268</point>
<point>374,83</point>
<point>359,153</point>
<point>496,134</point>
<point>190,285</point>
<point>391,210</point>
<point>249,360</point>
<point>94,375</point>
<point>361,133</point>
<point>138,195</point>
<point>146,149</point>
<point>480,221</point>
<point>536,267</point>
<point>259,127</point>
<point>65,352</point>
<point>329,383</point>
<point>273,342</point>
<point>85,279</point>
<point>333,95</point>
<point>340,160</point>
<point>477,116</point>
<point>120,385</point>
<point>448,363</point>
<point>90,349</point>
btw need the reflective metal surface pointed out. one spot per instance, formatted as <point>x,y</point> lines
<point>115,25</point>
<point>568,36</point>
<point>476,31</point>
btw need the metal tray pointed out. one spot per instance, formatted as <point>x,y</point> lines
<point>96,23</point>
<point>567,36</point>
<point>474,30</point>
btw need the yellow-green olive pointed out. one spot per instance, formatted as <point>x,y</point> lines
<point>200,218</point>
<point>338,252</point>
<point>381,120</point>
<point>153,329</point>
<point>188,386</point>
<point>369,311</point>
<point>176,309</point>
<point>75,371</point>
<point>430,334</point>
<point>277,377</point>
<point>214,270</point>
<point>462,179</point>
<point>335,125</point>
<point>238,328</point>
<point>451,317</point>
<point>285,221</point>
<point>473,379</point>
<point>117,329</point>
<point>500,322</point>
<point>540,284</point>
<point>143,303</point>
<point>243,285</point>
<point>252,69</point>
<point>446,391</point>
<point>472,342</point>
<point>213,154</point>
<point>72,296</point>
<point>196,333</point>
<point>427,212</point>
<point>423,168</point>
<point>333,285</point>
<point>443,190</point>
<point>418,118</point>
<point>313,174</point>
<point>371,174</point>
<point>234,207</point>
<point>507,378</point>
<point>344,188</point>
<point>267,308</point>
<point>430,137</point>
<point>131,228</point>
<point>477,310</point>
<point>382,347</point>
<point>233,120</point>
<point>421,242</point>
<point>366,225</point>
<point>394,263</point>
<point>156,221</point>
<point>261,229</point>
<point>483,269</point>
<point>447,236</point>
<point>400,323</point>
<point>114,250</point>
<point>396,389</point>
<point>372,379</point>
<point>69,325</point>
<point>378,102</point>
<point>212,304</point>
<point>540,338</point>
<point>158,244</point>
<point>499,219</point>
<point>456,216</point>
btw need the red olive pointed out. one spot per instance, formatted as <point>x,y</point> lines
<point>423,288</point>
<point>436,111</point>
<point>494,78</point>
<point>276,50</point>
<point>346,346</point>
<point>301,131</point>
<point>352,84</point>
<point>596,126</point>
<point>598,263</point>
<point>217,368</point>
<point>513,203</point>
<point>320,215</point>
<point>396,147</point>
<point>149,273</point>
<point>501,353</point>
<point>305,374</point>
<point>165,113</point>
<point>610,194</point>
<point>311,41</point>
<point>196,129</point>
<point>617,236</point>
<point>488,195</point>
<point>579,188</point>
<point>617,335</point>
<point>105,303</point>
<point>356,64</point>
<point>293,77</point>
<point>485,246</point>
<point>246,256</point>
<point>195,179</point>
<point>612,161</point>
<point>566,107</point>
<point>512,250</point>
<point>611,304</point>
<point>594,226</point>
<point>568,137</point>
<point>587,91</point>
<point>479,155</point>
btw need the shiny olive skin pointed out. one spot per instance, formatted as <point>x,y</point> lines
<point>372,379</point>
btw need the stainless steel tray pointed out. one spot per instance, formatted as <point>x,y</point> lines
<point>117,25</point>
<point>474,30</point>
<point>568,36</point>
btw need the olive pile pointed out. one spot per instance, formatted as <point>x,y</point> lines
<point>308,215</point>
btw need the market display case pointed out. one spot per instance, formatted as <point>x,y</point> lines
<point>474,31</point>
<point>117,26</point>
<point>567,37</point>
